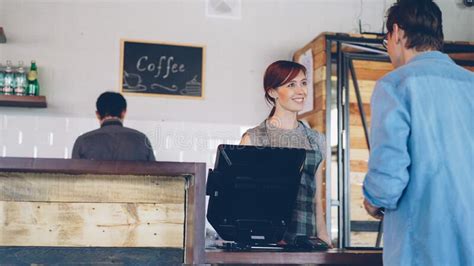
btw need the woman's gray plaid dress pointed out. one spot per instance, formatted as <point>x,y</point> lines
<point>303,219</point>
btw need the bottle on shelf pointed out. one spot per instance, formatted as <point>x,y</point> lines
<point>2,78</point>
<point>33,84</point>
<point>8,80</point>
<point>20,80</point>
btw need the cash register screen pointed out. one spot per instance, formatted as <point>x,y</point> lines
<point>253,191</point>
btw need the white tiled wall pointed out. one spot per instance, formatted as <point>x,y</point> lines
<point>53,137</point>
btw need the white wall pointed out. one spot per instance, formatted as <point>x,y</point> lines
<point>76,45</point>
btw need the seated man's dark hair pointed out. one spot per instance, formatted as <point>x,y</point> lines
<point>421,21</point>
<point>111,104</point>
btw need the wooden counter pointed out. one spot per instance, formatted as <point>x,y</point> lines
<point>107,211</point>
<point>331,257</point>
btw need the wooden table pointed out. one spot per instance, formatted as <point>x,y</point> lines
<point>330,257</point>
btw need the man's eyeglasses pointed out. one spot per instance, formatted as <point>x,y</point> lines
<point>385,41</point>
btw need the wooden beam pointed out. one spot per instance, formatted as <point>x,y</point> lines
<point>359,154</point>
<point>319,59</point>
<point>34,187</point>
<point>366,89</point>
<point>73,166</point>
<point>371,70</point>
<point>91,224</point>
<point>359,166</point>
<point>316,120</point>
<point>470,68</point>
<point>462,56</point>
<point>331,257</point>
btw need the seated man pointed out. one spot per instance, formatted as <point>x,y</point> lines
<point>112,141</point>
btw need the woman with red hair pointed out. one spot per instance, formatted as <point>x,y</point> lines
<point>286,89</point>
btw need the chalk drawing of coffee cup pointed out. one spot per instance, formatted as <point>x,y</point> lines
<point>132,82</point>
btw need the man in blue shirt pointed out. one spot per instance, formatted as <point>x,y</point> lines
<point>421,167</point>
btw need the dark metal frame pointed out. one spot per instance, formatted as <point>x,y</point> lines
<point>345,68</point>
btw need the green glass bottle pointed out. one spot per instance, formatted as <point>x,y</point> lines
<point>33,84</point>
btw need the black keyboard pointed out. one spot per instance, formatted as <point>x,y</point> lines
<point>305,243</point>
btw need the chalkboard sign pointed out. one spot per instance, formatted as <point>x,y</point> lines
<point>162,69</point>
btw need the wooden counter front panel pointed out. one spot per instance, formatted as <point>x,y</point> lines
<point>91,210</point>
<point>330,257</point>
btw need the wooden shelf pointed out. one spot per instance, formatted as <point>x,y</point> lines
<point>23,101</point>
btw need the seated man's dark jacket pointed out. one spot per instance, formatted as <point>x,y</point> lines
<point>113,141</point>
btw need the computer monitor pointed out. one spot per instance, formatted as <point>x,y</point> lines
<point>252,192</point>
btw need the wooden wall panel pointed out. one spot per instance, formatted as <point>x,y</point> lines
<point>366,88</point>
<point>319,74</point>
<point>316,120</point>
<point>91,224</point>
<point>44,209</point>
<point>320,89</point>
<point>359,166</point>
<point>359,154</point>
<point>319,59</point>
<point>371,70</point>
<point>91,188</point>
<point>462,56</point>
<point>356,132</point>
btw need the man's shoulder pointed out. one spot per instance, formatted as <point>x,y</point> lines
<point>435,64</point>
<point>88,134</point>
<point>132,131</point>
<point>397,75</point>
<point>110,130</point>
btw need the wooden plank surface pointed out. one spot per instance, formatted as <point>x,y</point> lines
<point>319,74</point>
<point>359,154</point>
<point>315,120</point>
<point>462,56</point>
<point>32,187</point>
<point>193,173</point>
<point>356,131</point>
<point>371,70</point>
<point>91,224</point>
<point>331,257</point>
<point>319,59</point>
<point>319,89</point>
<point>359,166</point>
<point>75,166</point>
<point>366,88</point>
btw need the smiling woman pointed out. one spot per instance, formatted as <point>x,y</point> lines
<point>285,88</point>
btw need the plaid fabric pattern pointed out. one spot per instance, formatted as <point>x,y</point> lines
<point>304,221</point>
